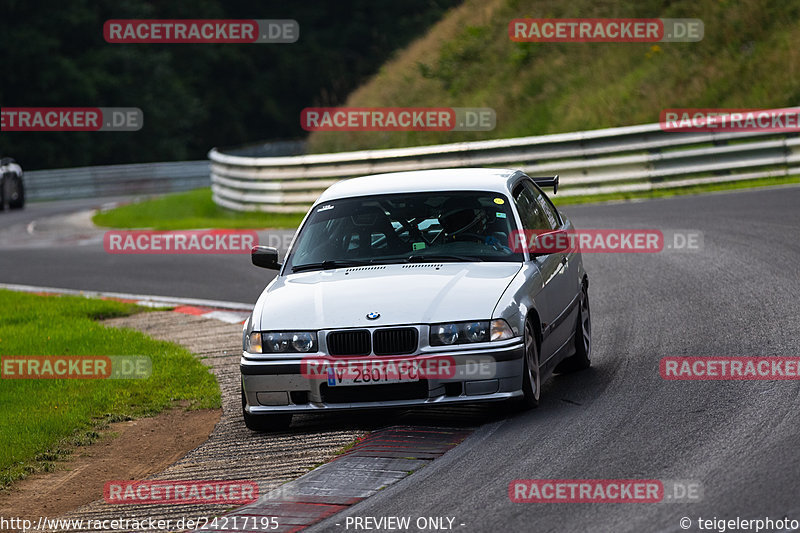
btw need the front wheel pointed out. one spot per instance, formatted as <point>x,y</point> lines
<point>264,423</point>
<point>531,374</point>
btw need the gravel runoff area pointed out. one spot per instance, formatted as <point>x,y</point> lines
<point>232,452</point>
<point>235,453</point>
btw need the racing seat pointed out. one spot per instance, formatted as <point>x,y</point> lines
<point>373,230</point>
<point>463,220</point>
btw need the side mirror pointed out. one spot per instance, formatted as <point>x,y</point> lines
<point>550,242</point>
<point>265,257</point>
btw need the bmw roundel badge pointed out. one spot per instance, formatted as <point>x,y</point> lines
<point>373,316</point>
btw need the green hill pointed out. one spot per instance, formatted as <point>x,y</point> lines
<point>748,58</point>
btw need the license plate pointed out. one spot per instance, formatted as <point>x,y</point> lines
<point>372,373</point>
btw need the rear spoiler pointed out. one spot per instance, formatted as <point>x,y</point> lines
<point>547,181</point>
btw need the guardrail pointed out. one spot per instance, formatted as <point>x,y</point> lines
<point>141,178</point>
<point>627,159</point>
<point>115,180</point>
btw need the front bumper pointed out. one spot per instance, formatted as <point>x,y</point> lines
<point>481,375</point>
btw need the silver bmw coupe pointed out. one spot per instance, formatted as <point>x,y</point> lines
<point>415,289</point>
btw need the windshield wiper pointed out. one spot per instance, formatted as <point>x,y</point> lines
<point>328,264</point>
<point>416,258</point>
<point>422,258</point>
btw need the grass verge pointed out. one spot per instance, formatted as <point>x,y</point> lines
<point>468,60</point>
<point>44,419</point>
<point>189,210</point>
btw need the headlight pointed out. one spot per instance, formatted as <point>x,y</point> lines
<point>288,341</point>
<point>469,332</point>
<point>303,341</point>
<point>476,332</point>
<point>444,334</point>
<point>459,333</point>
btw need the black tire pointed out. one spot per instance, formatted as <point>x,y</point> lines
<point>16,197</point>
<point>265,423</point>
<point>531,373</point>
<point>582,359</point>
<point>3,186</point>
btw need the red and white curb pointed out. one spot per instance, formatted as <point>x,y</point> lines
<point>231,317</point>
<point>381,459</point>
<point>229,312</point>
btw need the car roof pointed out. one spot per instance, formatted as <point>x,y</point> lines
<point>452,179</point>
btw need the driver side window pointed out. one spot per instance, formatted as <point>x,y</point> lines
<point>530,211</point>
<point>548,209</point>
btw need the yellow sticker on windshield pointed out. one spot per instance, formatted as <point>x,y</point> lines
<point>499,201</point>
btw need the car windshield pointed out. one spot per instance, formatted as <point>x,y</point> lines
<point>397,228</point>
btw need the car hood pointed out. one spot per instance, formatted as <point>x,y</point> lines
<point>402,294</point>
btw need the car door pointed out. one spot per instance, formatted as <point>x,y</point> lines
<point>570,260</point>
<point>554,301</point>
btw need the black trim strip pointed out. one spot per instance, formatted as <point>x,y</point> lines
<point>270,370</point>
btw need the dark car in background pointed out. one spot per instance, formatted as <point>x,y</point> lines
<point>12,187</point>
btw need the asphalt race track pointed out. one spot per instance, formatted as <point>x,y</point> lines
<point>52,258</point>
<point>738,295</point>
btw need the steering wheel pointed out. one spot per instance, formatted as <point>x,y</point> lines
<point>490,240</point>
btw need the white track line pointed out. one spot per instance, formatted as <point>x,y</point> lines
<point>144,299</point>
